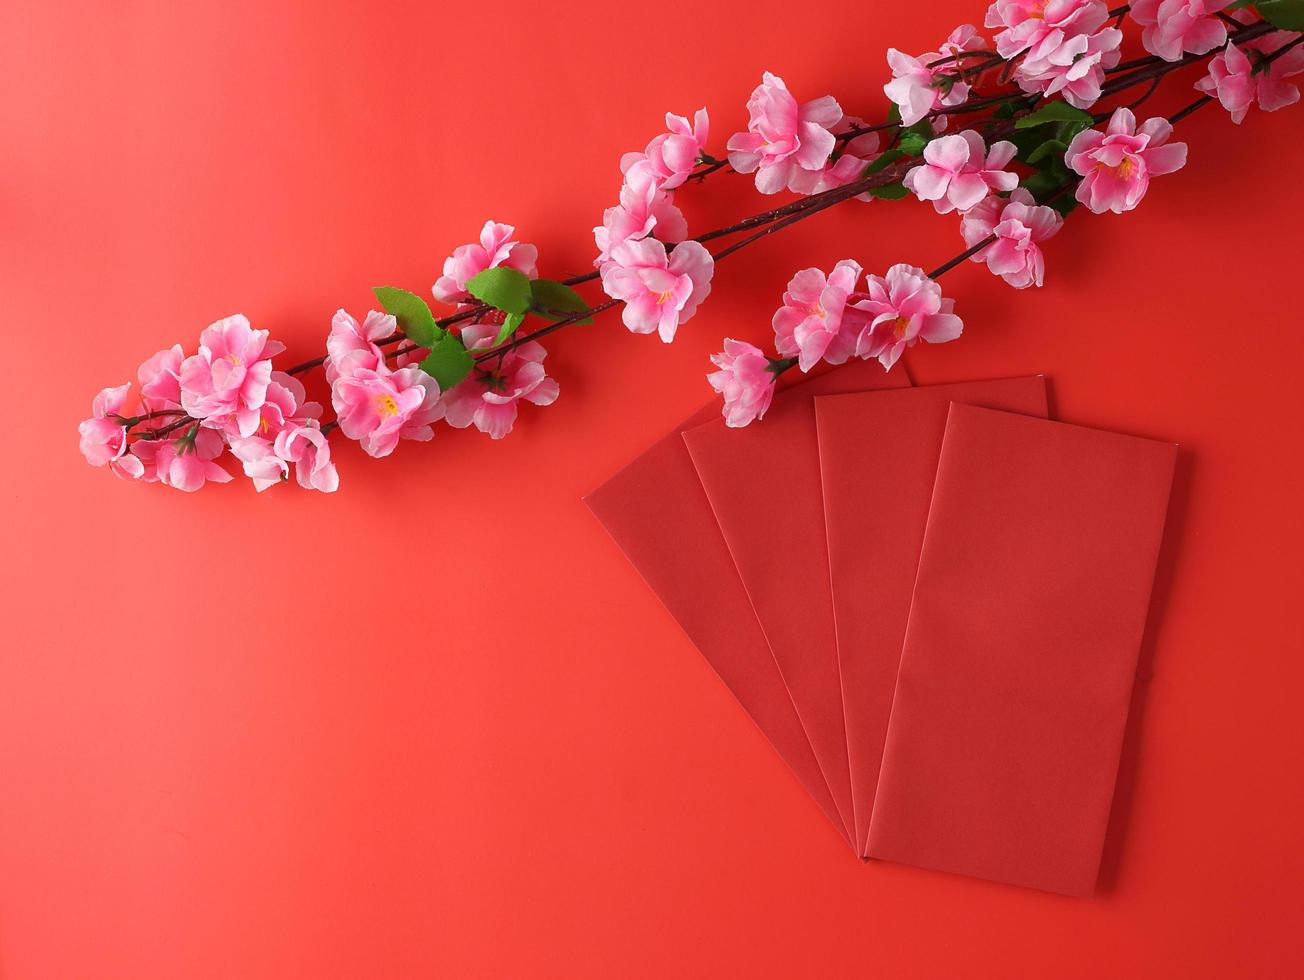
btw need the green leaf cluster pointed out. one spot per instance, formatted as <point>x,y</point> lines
<point>1286,14</point>
<point>1041,139</point>
<point>505,289</point>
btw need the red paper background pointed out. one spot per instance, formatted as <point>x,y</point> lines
<point>435,724</point>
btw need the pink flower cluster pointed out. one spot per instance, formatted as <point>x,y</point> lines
<point>374,404</point>
<point>825,318</point>
<point>1241,76</point>
<point>792,145</point>
<point>921,86</point>
<point>496,248</point>
<point>1173,28</point>
<point>959,171</point>
<point>1116,165</point>
<point>191,409</point>
<point>487,397</point>
<point>644,257</point>
<point>1019,225</point>
<point>1065,47</point>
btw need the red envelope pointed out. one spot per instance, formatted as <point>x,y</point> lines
<point>878,457</point>
<point>657,513</point>
<point>764,486</point>
<point>1003,746</point>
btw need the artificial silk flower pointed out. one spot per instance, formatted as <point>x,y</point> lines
<point>1039,27</point>
<point>745,380</point>
<point>1019,224</point>
<point>487,397</point>
<point>660,291</point>
<point>186,461</point>
<point>379,407</point>
<point>671,156</point>
<point>846,165</point>
<point>1116,165</point>
<point>258,458</point>
<point>1240,76</point>
<point>160,380</point>
<point>1176,27</point>
<point>495,248</point>
<point>348,337</point>
<point>783,137</point>
<point>1075,70</point>
<point>227,380</point>
<point>920,86</point>
<point>906,307</point>
<point>814,321</point>
<point>104,437</point>
<point>959,170</point>
<point>306,446</point>
<point>645,209</point>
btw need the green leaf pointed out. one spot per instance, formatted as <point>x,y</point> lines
<point>1045,183</point>
<point>1053,112</point>
<point>448,361</point>
<point>502,288</point>
<point>884,160</point>
<point>1052,149</point>
<point>894,113</point>
<point>889,192</point>
<point>556,300</point>
<point>912,144</point>
<point>412,314</point>
<point>1286,14</point>
<point>513,321</point>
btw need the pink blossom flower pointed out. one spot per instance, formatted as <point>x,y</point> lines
<point>229,375</point>
<point>1018,224</point>
<point>1176,27</point>
<point>1039,27</point>
<point>782,136</point>
<point>496,248</point>
<point>104,437</point>
<point>845,166</point>
<point>1074,70</point>
<point>160,380</point>
<point>958,170</point>
<point>745,380</point>
<point>671,156</point>
<point>267,460</point>
<point>644,210</point>
<point>659,292</point>
<point>487,397</point>
<point>1116,165</point>
<point>906,307</point>
<point>810,323</point>
<point>1240,77</point>
<point>378,407</point>
<point>308,449</point>
<point>916,87</point>
<point>184,462</point>
<point>357,342</point>
<point>258,457</point>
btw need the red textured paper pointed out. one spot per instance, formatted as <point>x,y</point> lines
<point>1002,749</point>
<point>657,513</point>
<point>764,486</point>
<point>878,458</point>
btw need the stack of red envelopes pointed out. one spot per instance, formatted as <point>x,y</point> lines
<point>930,600</point>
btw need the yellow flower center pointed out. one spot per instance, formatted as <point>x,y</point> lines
<point>1038,10</point>
<point>386,405</point>
<point>899,327</point>
<point>1123,171</point>
<point>663,297</point>
<point>818,310</point>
